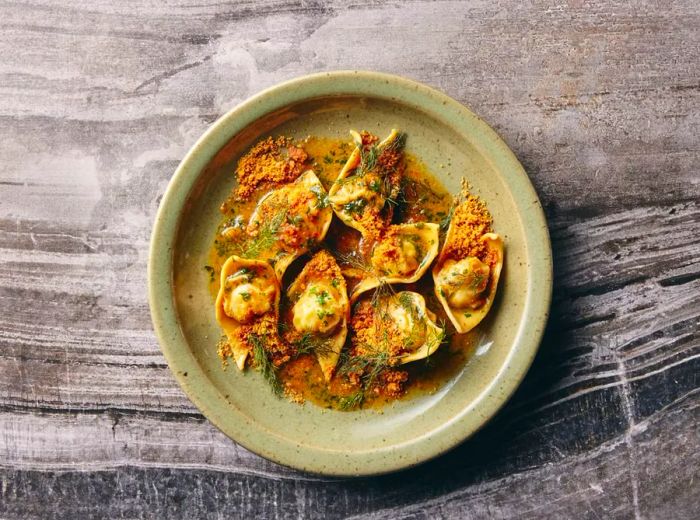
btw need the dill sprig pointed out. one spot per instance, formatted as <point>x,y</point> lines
<point>265,238</point>
<point>352,260</point>
<point>445,221</point>
<point>369,366</point>
<point>264,364</point>
<point>398,143</point>
<point>308,344</point>
<point>368,159</point>
<point>352,401</point>
<point>435,339</point>
<point>381,295</point>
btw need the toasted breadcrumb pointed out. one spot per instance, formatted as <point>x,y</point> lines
<point>270,162</point>
<point>279,351</point>
<point>373,331</point>
<point>470,221</point>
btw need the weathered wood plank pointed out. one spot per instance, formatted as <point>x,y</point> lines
<point>99,102</point>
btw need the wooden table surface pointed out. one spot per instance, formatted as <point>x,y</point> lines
<point>100,100</point>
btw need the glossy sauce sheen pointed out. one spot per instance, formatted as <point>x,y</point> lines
<point>424,200</point>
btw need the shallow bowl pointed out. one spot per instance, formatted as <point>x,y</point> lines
<point>453,142</point>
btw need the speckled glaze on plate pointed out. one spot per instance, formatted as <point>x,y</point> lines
<point>454,143</point>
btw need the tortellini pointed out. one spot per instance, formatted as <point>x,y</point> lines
<point>364,194</point>
<point>399,325</point>
<point>296,217</point>
<point>249,295</point>
<point>320,309</point>
<point>466,287</point>
<point>402,255</point>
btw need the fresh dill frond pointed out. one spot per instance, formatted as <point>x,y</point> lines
<point>308,344</point>
<point>393,201</point>
<point>368,159</point>
<point>434,340</point>
<point>445,221</point>
<point>381,295</point>
<point>264,239</point>
<point>368,365</point>
<point>322,199</point>
<point>212,272</point>
<point>398,143</point>
<point>352,260</point>
<point>352,401</point>
<point>406,301</point>
<point>264,364</point>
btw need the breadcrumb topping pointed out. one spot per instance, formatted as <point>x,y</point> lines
<point>470,221</point>
<point>270,162</point>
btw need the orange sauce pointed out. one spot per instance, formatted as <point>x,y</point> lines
<point>425,200</point>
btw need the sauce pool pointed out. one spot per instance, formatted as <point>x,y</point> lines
<point>424,200</point>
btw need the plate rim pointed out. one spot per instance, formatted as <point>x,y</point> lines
<point>187,370</point>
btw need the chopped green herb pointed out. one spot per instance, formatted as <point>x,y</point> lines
<point>308,344</point>
<point>264,364</point>
<point>322,315</point>
<point>322,298</point>
<point>248,274</point>
<point>264,239</point>
<point>478,280</point>
<point>328,159</point>
<point>295,220</point>
<point>352,401</point>
<point>321,196</point>
<point>445,222</point>
<point>245,296</point>
<point>355,206</point>
<point>211,271</point>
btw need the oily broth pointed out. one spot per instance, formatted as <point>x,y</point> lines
<point>425,200</point>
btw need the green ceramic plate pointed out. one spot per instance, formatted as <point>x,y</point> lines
<point>453,142</point>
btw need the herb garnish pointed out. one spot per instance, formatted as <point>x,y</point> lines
<point>352,401</point>
<point>445,221</point>
<point>321,196</point>
<point>212,272</point>
<point>355,206</point>
<point>308,344</point>
<point>264,364</point>
<point>322,297</point>
<point>266,237</point>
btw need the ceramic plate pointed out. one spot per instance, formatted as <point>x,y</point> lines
<point>454,143</point>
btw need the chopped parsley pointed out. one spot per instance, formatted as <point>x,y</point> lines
<point>322,314</point>
<point>295,220</point>
<point>321,196</point>
<point>355,206</point>
<point>212,272</point>
<point>245,272</point>
<point>322,298</point>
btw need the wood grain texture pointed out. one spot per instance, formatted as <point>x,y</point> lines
<point>100,100</point>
